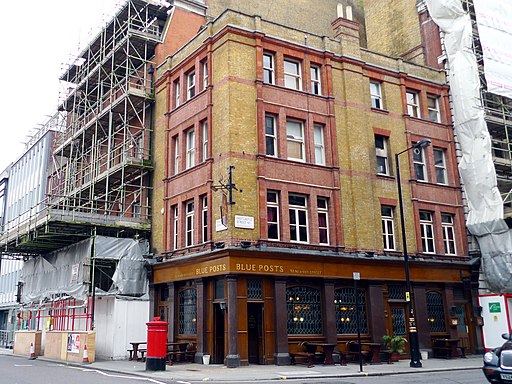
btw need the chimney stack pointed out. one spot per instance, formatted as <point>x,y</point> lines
<point>346,29</point>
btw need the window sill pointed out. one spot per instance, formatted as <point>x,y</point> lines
<point>384,176</point>
<point>425,120</point>
<point>380,110</point>
<point>302,91</point>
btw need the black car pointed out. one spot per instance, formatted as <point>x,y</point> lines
<point>498,362</point>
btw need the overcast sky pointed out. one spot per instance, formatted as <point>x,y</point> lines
<point>37,37</point>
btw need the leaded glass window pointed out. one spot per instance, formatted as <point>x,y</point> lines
<point>435,312</point>
<point>254,289</point>
<point>188,312</point>
<point>345,305</point>
<point>396,292</point>
<point>304,314</point>
<point>398,321</point>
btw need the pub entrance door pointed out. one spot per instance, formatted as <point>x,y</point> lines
<point>462,327</point>
<point>396,323</point>
<point>255,333</point>
<point>219,335</point>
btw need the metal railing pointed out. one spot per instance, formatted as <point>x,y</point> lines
<point>6,338</point>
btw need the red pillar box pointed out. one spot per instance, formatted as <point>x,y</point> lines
<point>157,345</point>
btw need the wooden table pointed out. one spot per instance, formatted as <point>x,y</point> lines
<point>447,348</point>
<point>135,349</point>
<point>375,352</point>
<point>327,348</point>
<point>176,350</point>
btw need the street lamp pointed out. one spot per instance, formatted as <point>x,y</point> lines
<point>413,333</point>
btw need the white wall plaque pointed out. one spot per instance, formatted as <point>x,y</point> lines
<point>219,226</point>
<point>246,222</point>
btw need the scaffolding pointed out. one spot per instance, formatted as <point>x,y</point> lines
<point>498,116</point>
<point>100,167</point>
<point>101,161</point>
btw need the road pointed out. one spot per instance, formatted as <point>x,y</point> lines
<point>14,370</point>
<point>470,376</point>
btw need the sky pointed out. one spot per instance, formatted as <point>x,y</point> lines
<point>37,38</point>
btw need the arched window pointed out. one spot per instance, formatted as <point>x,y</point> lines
<point>345,305</point>
<point>304,315</point>
<point>435,312</point>
<point>187,312</point>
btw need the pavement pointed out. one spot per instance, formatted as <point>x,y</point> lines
<point>199,372</point>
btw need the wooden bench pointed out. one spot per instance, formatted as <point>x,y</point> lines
<point>302,352</point>
<point>442,352</point>
<point>386,354</point>
<point>352,351</point>
<point>447,348</point>
<point>185,352</point>
<point>190,352</point>
<point>177,356</point>
<point>140,351</point>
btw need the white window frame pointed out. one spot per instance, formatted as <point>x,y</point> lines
<point>427,232</point>
<point>205,140</point>
<point>270,137</point>
<point>176,155</point>
<point>292,78</point>
<point>323,211</point>
<point>191,84</point>
<point>376,94</point>
<point>316,80</point>
<point>440,165</point>
<point>204,218</point>
<point>191,149</point>
<point>292,139</point>
<point>269,70</point>
<point>139,147</point>
<point>298,212</point>
<point>419,164</point>
<point>434,113</point>
<point>388,227</point>
<point>450,246</point>
<point>382,153</point>
<point>319,141</point>
<point>205,74</point>
<point>189,223</point>
<point>175,226</point>
<point>177,94</point>
<point>273,204</point>
<point>413,106</point>
<point>137,210</point>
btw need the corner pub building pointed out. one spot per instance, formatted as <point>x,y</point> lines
<point>276,132</point>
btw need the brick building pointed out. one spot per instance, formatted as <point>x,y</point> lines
<point>274,181</point>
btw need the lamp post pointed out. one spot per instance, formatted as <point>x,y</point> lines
<point>413,333</point>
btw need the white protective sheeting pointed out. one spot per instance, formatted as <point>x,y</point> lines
<point>485,218</point>
<point>494,20</point>
<point>54,274</point>
<point>62,272</point>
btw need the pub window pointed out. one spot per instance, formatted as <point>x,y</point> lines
<point>254,289</point>
<point>396,292</point>
<point>219,289</point>
<point>164,293</point>
<point>188,312</point>
<point>435,312</point>
<point>345,306</point>
<point>304,314</point>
